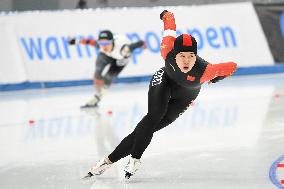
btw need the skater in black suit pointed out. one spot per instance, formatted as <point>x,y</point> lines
<point>171,91</point>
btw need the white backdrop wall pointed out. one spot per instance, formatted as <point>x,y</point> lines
<point>34,44</point>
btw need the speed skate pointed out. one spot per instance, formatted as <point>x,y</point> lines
<point>98,169</point>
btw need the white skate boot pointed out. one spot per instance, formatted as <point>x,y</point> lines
<point>131,167</point>
<point>92,102</point>
<point>99,168</point>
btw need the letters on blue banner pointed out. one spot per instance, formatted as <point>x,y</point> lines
<point>56,48</point>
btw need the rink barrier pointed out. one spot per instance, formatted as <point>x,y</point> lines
<point>271,17</point>
<point>254,70</point>
<point>42,53</point>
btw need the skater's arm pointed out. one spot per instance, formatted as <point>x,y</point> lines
<point>201,63</point>
<point>216,71</point>
<point>91,42</point>
<point>74,41</point>
<point>169,33</point>
<point>126,50</point>
<point>136,45</point>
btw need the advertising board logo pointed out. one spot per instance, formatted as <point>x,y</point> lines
<point>276,172</point>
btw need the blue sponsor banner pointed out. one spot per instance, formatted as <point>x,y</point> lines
<point>45,54</point>
<point>56,48</point>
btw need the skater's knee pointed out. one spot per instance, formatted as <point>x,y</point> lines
<point>155,117</point>
<point>108,79</point>
<point>146,128</point>
<point>164,122</point>
<point>167,120</point>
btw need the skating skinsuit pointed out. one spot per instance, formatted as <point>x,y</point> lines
<point>170,93</point>
<point>115,58</point>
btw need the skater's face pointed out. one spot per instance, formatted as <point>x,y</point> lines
<point>105,45</point>
<point>185,61</point>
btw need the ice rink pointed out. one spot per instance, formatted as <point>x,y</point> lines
<point>231,138</point>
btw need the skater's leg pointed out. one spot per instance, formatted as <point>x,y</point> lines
<point>112,73</point>
<point>175,109</point>
<point>126,145</point>
<point>123,149</point>
<point>98,80</point>
<point>181,99</point>
<point>158,97</point>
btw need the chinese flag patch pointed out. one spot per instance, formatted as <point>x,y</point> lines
<point>190,78</point>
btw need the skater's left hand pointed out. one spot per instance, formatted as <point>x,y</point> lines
<point>162,14</point>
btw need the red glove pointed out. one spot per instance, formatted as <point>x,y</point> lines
<point>214,70</point>
<point>88,42</point>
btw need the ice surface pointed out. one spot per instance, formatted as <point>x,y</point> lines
<point>229,139</point>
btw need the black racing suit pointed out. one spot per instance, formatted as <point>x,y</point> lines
<point>170,94</point>
<point>115,67</point>
<point>167,100</point>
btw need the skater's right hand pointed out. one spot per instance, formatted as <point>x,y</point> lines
<point>217,79</point>
<point>71,41</point>
<point>162,14</point>
<point>144,46</point>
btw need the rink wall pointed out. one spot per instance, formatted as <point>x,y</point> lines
<point>35,53</point>
<point>271,17</point>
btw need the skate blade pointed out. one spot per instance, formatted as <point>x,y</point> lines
<point>88,176</point>
<point>127,176</point>
<point>88,106</point>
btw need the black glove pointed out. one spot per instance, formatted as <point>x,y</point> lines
<point>162,14</point>
<point>216,79</point>
<point>136,45</point>
<point>72,41</point>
